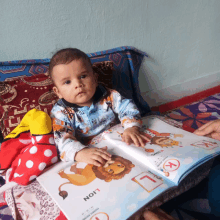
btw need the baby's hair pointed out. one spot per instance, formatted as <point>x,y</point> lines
<point>66,56</point>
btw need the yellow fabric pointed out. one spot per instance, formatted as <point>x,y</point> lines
<point>35,121</point>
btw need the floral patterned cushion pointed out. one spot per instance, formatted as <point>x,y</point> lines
<point>20,95</point>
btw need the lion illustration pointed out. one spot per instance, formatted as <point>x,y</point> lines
<point>114,169</point>
<point>164,141</point>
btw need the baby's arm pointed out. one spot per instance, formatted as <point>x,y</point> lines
<point>65,140</point>
<point>71,149</point>
<point>130,118</point>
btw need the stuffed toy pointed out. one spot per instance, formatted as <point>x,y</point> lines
<point>29,148</point>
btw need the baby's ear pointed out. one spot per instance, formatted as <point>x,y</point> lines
<point>55,89</point>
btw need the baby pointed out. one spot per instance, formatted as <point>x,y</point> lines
<point>86,108</point>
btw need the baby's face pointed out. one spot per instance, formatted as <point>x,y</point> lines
<point>75,82</point>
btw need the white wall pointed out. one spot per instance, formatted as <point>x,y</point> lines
<point>181,37</point>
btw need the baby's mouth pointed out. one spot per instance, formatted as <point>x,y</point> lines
<point>80,93</point>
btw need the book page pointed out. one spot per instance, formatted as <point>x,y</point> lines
<point>115,191</point>
<point>171,151</point>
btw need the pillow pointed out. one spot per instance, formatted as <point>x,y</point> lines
<point>104,70</point>
<point>21,94</point>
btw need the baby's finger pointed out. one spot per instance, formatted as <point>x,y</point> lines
<point>96,163</point>
<point>100,157</point>
<point>135,140</point>
<point>141,141</point>
<point>128,140</point>
<point>104,149</point>
<point>104,152</point>
<point>143,135</point>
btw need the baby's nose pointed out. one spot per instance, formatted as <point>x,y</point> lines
<point>78,84</point>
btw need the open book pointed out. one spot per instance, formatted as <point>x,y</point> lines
<point>133,178</point>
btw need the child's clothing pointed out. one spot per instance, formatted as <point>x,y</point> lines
<point>85,122</point>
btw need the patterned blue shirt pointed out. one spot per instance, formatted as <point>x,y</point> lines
<point>82,123</point>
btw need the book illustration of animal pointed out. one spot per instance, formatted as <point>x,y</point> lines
<point>114,169</point>
<point>164,142</point>
<point>162,139</point>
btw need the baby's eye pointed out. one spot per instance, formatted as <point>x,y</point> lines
<point>83,76</point>
<point>67,82</point>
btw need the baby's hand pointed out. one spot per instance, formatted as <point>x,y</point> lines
<point>134,135</point>
<point>95,156</point>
